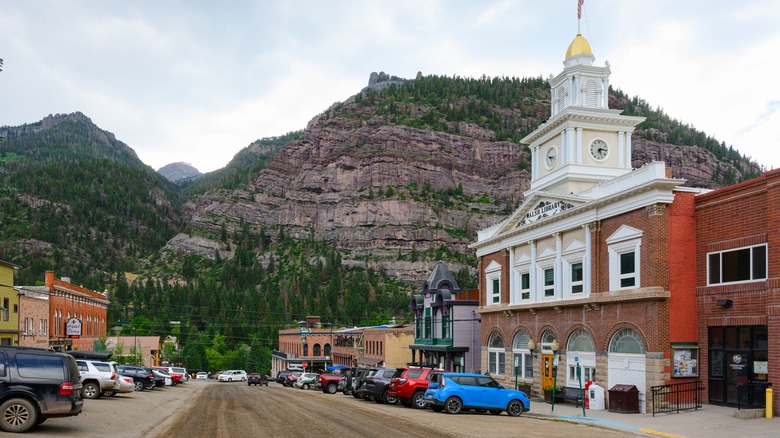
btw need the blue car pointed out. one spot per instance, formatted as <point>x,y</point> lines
<point>453,392</point>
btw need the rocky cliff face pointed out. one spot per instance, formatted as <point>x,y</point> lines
<point>379,190</point>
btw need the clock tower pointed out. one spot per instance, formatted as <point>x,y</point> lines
<point>583,142</point>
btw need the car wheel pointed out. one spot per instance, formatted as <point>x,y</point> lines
<point>355,394</point>
<point>109,393</point>
<point>331,389</point>
<point>230,379</point>
<point>305,386</point>
<point>453,405</point>
<point>515,408</point>
<point>139,385</point>
<point>150,387</point>
<point>437,408</point>
<point>17,415</point>
<point>418,400</point>
<point>90,390</point>
<point>495,411</point>
<point>389,399</point>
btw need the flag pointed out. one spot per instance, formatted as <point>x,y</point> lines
<point>579,8</point>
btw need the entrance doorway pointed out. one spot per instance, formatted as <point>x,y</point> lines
<point>547,371</point>
<point>738,356</point>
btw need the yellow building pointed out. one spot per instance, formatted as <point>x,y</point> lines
<point>9,305</point>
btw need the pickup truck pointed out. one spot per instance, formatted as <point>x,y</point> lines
<point>328,383</point>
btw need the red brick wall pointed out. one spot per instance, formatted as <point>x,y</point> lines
<point>502,258</point>
<point>743,214</point>
<point>682,261</point>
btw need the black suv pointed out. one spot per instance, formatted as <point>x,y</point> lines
<point>142,377</point>
<point>36,384</point>
<point>376,384</point>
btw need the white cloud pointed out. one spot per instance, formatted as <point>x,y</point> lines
<point>197,82</point>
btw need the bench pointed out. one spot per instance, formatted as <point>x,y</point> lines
<point>569,394</point>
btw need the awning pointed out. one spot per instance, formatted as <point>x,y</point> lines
<point>368,361</point>
<point>336,368</point>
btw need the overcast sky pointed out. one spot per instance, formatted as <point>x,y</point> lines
<point>197,81</point>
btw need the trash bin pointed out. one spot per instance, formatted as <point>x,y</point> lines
<point>624,399</point>
<point>596,396</point>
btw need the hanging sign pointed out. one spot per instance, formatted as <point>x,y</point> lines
<point>73,328</point>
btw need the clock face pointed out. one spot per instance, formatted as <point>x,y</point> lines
<point>551,157</point>
<point>599,150</point>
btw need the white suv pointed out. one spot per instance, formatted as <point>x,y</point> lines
<point>97,378</point>
<point>232,376</point>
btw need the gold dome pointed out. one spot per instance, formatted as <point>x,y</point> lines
<point>579,46</point>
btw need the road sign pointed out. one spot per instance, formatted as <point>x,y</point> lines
<point>306,364</point>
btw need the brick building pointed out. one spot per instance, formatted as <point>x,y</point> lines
<point>68,301</point>
<point>33,316</point>
<point>738,287</point>
<point>597,260</point>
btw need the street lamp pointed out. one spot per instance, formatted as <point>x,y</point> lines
<point>554,347</point>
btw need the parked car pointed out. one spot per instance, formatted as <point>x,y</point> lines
<point>185,376</point>
<point>96,378</point>
<point>257,379</point>
<point>162,376</point>
<point>232,376</point>
<point>358,378</point>
<point>329,383</point>
<point>291,378</point>
<point>454,392</point>
<point>202,375</point>
<point>376,385</point>
<point>409,384</point>
<point>143,377</point>
<point>177,376</point>
<point>126,384</point>
<point>306,380</point>
<point>35,385</point>
<point>281,378</point>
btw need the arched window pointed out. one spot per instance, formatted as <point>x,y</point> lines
<point>327,349</point>
<point>305,350</point>
<point>496,354</point>
<point>580,340</point>
<point>626,341</point>
<point>547,339</point>
<point>317,349</point>
<point>580,350</point>
<point>522,361</point>
<point>591,93</point>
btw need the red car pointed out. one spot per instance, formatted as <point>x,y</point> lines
<point>176,376</point>
<point>409,385</point>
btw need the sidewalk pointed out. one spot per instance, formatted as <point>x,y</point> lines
<point>709,421</point>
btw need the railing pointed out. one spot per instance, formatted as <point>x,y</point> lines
<point>676,397</point>
<point>752,395</point>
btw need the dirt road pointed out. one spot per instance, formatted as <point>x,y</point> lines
<point>211,409</point>
<point>236,410</point>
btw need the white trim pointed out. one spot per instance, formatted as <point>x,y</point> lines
<point>491,292</point>
<point>750,268</point>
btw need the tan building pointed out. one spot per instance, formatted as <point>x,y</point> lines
<point>141,350</point>
<point>387,346</point>
<point>33,316</point>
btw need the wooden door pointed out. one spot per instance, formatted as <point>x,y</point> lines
<point>547,371</point>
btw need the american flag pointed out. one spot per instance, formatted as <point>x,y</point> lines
<point>579,8</point>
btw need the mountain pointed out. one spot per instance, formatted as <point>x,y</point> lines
<point>179,172</point>
<point>402,175</point>
<point>343,219</point>
<point>76,199</point>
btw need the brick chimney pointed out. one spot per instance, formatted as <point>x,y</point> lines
<point>49,280</point>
